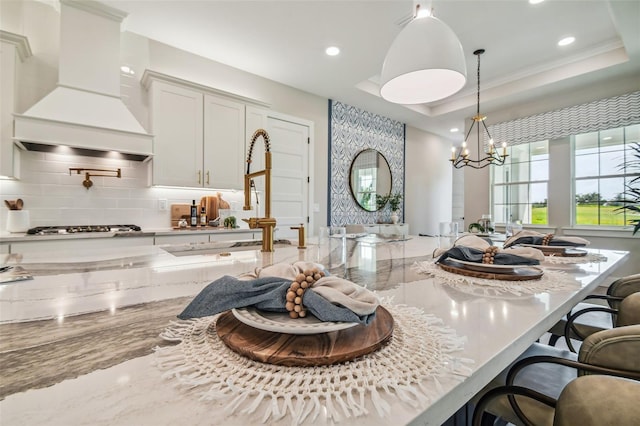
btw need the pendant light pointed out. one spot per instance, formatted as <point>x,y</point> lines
<point>460,157</point>
<point>425,63</point>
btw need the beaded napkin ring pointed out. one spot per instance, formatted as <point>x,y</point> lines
<point>297,288</point>
<point>546,239</point>
<point>489,254</point>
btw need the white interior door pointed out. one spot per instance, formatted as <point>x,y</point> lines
<point>289,175</point>
<point>290,147</point>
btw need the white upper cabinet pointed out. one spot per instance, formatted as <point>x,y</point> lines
<point>177,123</point>
<point>14,49</point>
<point>199,134</point>
<point>223,143</point>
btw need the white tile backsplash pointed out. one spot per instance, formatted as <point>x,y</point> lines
<point>53,197</point>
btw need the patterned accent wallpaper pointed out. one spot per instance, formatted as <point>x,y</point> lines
<point>350,131</point>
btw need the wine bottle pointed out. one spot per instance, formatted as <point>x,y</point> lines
<point>203,217</point>
<point>194,214</point>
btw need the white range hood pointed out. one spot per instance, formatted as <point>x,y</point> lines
<point>84,113</point>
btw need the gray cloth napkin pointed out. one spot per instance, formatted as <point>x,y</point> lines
<point>336,290</point>
<point>481,244</point>
<point>474,255</point>
<point>267,294</point>
<point>535,238</point>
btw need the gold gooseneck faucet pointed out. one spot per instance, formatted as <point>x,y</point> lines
<point>267,223</point>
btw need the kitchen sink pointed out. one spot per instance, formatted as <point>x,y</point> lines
<point>201,249</point>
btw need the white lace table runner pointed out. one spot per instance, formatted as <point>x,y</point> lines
<point>202,362</point>
<point>550,281</point>
<point>589,258</point>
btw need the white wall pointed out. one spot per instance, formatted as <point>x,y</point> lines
<point>55,198</point>
<point>560,175</point>
<point>40,23</point>
<point>428,181</point>
<point>458,198</point>
<point>476,190</point>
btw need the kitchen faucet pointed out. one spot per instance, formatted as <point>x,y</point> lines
<point>267,223</point>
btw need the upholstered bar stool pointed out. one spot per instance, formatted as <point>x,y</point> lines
<point>589,318</point>
<point>599,400</point>
<point>547,370</point>
<point>585,401</point>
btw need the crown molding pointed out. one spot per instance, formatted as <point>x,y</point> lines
<point>19,41</point>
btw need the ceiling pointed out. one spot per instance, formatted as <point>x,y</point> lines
<point>285,41</point>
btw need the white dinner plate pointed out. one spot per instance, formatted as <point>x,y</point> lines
<point>282,323</point>
<point>491,265</point>
<point>551,248</point>
<point>563,251</point>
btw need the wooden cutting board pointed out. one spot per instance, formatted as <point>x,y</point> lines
<point>308,349</point>
<point>210,204</point>
<point>179,211</point>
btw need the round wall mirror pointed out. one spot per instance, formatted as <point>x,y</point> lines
<point>369,176</point>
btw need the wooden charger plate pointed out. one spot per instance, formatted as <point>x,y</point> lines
<point>520,273</point>
<point>562,251</point>
<point>307,349</point>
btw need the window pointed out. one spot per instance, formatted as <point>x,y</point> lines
<point>366,192</point>
<point>519,187</point>
<point>601,177</point>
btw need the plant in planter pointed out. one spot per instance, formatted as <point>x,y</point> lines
<point>394,203</point>
<point>631,200</point>
<point>230,222</point>
<point>381,201</point>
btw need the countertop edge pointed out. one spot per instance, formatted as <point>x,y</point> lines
<point>23,237</point>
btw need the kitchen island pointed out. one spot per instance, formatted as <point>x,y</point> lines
<point>78,338</point>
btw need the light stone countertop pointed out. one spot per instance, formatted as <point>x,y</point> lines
<point>79,335</point>
<point>7,237</point>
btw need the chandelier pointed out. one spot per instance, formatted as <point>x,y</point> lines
<point>460,156</point>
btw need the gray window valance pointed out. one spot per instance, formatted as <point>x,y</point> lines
<point>618,111</point>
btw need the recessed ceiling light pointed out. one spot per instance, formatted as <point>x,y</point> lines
<point>127,70</point>
<point>454,129</point>
<point>332,50</point>
<point>566,41</point>
<point>535,1</point>
<point>608,138</point>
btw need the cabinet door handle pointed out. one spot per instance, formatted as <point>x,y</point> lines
<point>207,177</point>
<point>199,176</point>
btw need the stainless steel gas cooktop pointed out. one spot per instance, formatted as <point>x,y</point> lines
<point>49,230</point>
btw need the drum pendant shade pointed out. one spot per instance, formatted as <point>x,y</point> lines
<point>425,63</point>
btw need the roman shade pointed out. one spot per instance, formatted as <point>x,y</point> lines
<point>618,111</point>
